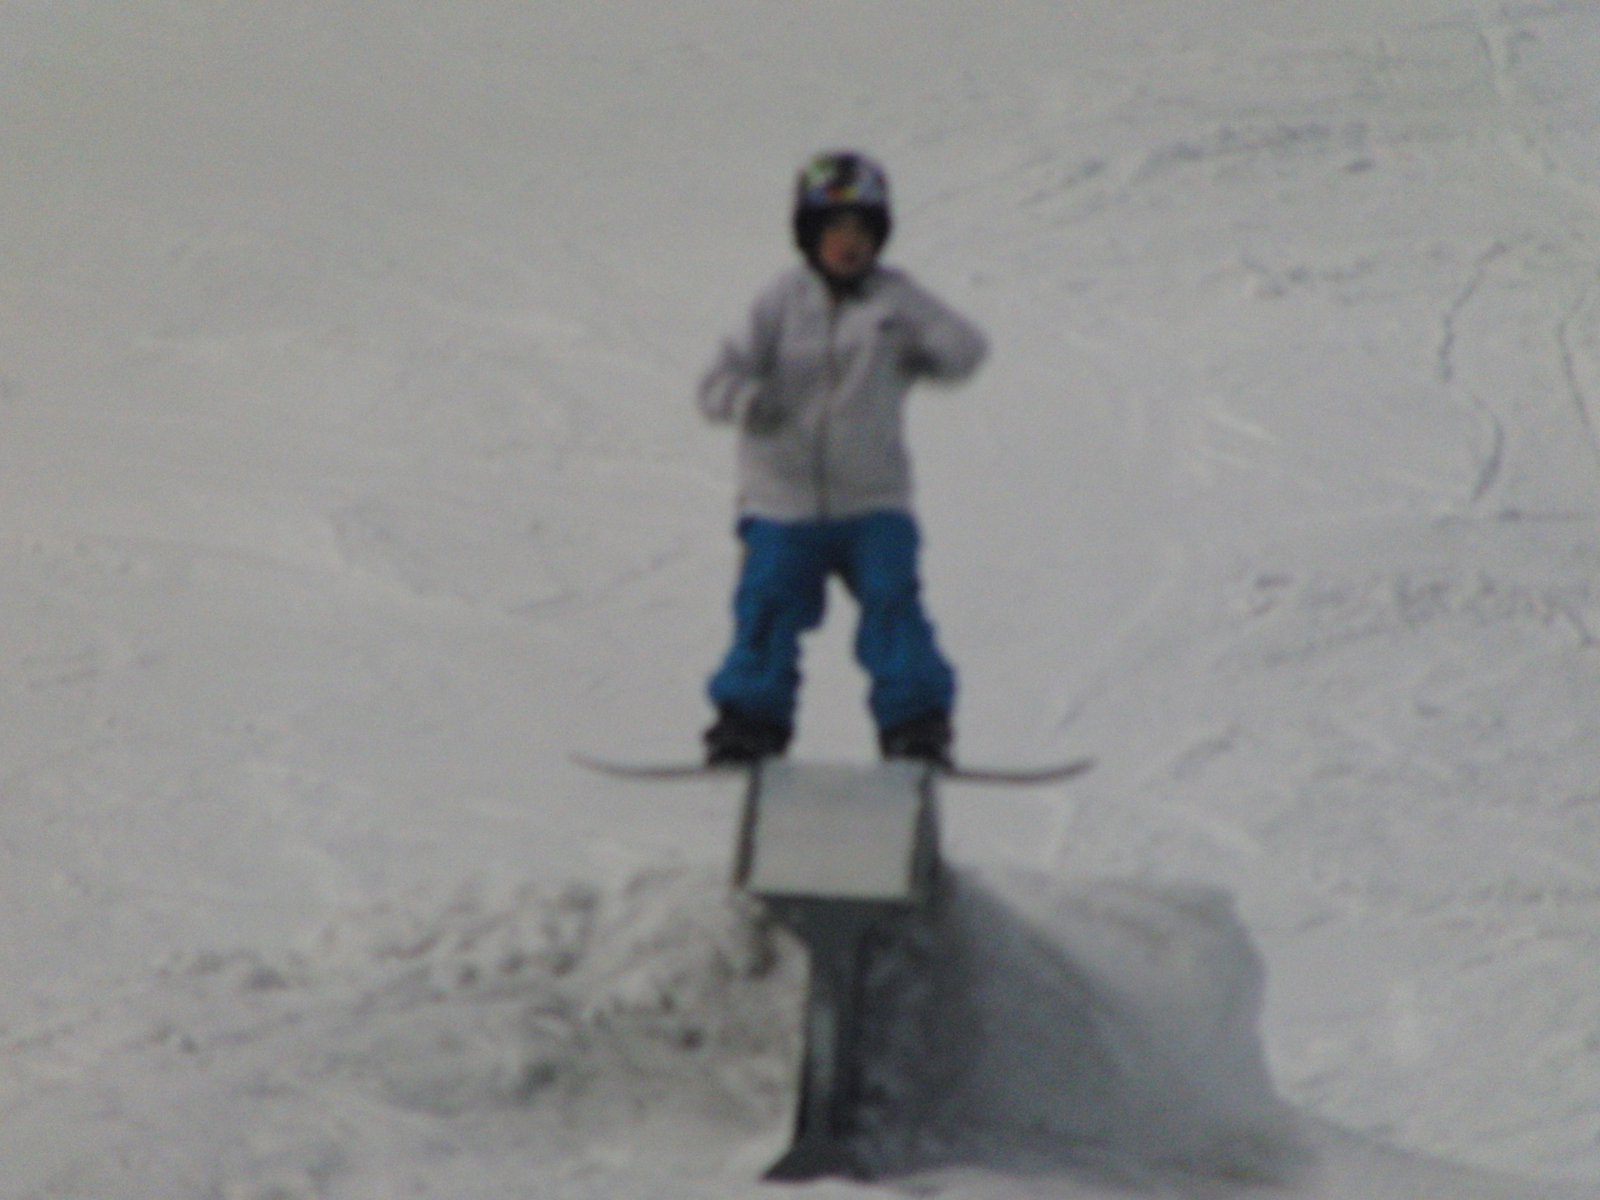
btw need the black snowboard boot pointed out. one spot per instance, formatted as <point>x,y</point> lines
<point>928,737</point>
<point>737,737</point>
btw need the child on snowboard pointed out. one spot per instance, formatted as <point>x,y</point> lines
<point>816,384</point>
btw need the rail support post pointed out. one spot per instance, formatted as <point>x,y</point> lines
<point>831,851</point>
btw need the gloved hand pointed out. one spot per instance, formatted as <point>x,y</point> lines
<point>760,411</point>
<point>916,362</point>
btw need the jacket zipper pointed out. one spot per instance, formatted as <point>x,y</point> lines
<point>825,425</point>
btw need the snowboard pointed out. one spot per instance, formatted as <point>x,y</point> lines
<point>668,771</point>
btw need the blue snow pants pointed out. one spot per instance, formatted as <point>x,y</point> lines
<point>782,593</point>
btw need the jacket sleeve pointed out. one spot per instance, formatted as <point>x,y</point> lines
<point>736,384</point>
<point>947,347</point>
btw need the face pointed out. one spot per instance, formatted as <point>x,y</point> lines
<point>847,247</point>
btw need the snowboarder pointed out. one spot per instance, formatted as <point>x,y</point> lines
<point>816,383</point>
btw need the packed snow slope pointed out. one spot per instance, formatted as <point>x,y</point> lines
<point>349,480</point>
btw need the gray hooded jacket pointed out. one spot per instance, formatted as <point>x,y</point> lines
<point>817,387</point>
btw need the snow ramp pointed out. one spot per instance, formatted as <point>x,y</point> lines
<point>1024,1037</point>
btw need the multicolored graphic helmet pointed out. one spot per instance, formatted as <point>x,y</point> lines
<point>836,180</point>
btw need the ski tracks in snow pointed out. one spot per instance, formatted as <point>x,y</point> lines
<point>1559,346</point>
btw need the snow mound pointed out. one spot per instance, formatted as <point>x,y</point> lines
<point>1108,1024</point>
<point>1019,1021</point>
<point>654,1024</point>
<point>657,1001</point>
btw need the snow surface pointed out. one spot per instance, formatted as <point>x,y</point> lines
<point>351,480</point>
